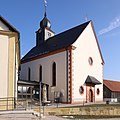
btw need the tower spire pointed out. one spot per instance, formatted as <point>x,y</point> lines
<point>45,5</point>
<point>44,32</point>
<point>45,23</point>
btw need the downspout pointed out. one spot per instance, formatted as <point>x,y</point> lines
<point>15,77</point>
<point>17,58</point>
<point>16,72</point>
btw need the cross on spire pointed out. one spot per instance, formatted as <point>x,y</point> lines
<point>45,5</point>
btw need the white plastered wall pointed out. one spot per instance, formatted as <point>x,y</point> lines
<point>3,65</point>
<point>86,46</point>
<point>3,62</point>
<point>46,62</point>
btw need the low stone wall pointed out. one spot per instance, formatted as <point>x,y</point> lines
<point>113,111</point>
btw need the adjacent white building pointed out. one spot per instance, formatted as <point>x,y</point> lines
<point>9,60</point>
<point>70,63</point>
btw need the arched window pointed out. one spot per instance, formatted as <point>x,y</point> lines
<point>40,73</point>
<point>98,91</point>
<point>54,74</point>
<point>81,90</point>
<point>29,74</point>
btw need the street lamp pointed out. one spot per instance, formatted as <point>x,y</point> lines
<point>40,99</point>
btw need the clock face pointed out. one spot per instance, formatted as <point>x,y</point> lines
<point>49,34</point>
<point>90,60</point>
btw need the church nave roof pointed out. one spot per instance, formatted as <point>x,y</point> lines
<point>62,40</point>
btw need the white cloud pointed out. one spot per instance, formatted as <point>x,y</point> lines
<point>112,25</point>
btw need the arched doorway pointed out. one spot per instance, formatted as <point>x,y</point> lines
<point>90,96</point>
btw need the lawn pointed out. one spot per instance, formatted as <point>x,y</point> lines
<point>92,116</point>
<point>94,105</point>
<point>88,117</point>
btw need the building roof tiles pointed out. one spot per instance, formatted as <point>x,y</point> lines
<point>112,85</point>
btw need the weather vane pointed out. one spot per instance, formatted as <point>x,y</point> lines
<point>45,5</point>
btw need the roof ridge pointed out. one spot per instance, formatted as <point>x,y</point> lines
<point>111,80</point>
<point>71,29</point>
<point>59,41</point>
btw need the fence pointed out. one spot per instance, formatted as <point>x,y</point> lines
<point>7,103</point>
<point>11,103</point>
<point>111,99</point>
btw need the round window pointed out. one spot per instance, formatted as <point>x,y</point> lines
<point>98,91</point>
<point>90,60</point>
<point>81,90</point>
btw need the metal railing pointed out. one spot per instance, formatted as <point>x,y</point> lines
<point>7,103</point>
<point>11,103</point>
<point>113,100</point>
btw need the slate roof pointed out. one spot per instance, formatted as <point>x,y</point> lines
<point>26,82</point>
<point>62,40</point>
<point>92,80</point>
<point>114,86</point>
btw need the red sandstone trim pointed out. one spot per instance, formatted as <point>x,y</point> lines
<point>48,54</point>
<point>99,101</point>
<point>70,76</point>
<point>42,56</point>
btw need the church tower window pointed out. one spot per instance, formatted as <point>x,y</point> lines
<point>54,74</point>
<point>29,74</point>
<point>40,73</point>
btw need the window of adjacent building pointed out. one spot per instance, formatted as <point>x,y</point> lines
<point>29,74</point>
<point>54,74</point>
<point>40,73</point>
<point>25,92</point>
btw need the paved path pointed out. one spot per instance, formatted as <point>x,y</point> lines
<point>25,115</point>
<point>58,118</point>
<point>33,117</point>
<point>28,115</point>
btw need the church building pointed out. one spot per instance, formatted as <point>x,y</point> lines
<point>70,64</point>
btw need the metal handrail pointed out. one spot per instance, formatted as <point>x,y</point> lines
<point>7,103</point>
<point>11,103</point>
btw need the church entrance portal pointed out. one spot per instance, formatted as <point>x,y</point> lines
<point>90,96</point>
<point>90,93</point>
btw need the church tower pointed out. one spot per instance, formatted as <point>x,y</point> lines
<point>44,32</point>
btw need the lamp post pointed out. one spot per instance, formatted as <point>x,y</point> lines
<point>40,100</point>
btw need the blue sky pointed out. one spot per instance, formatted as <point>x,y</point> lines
<point>25,15</point>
